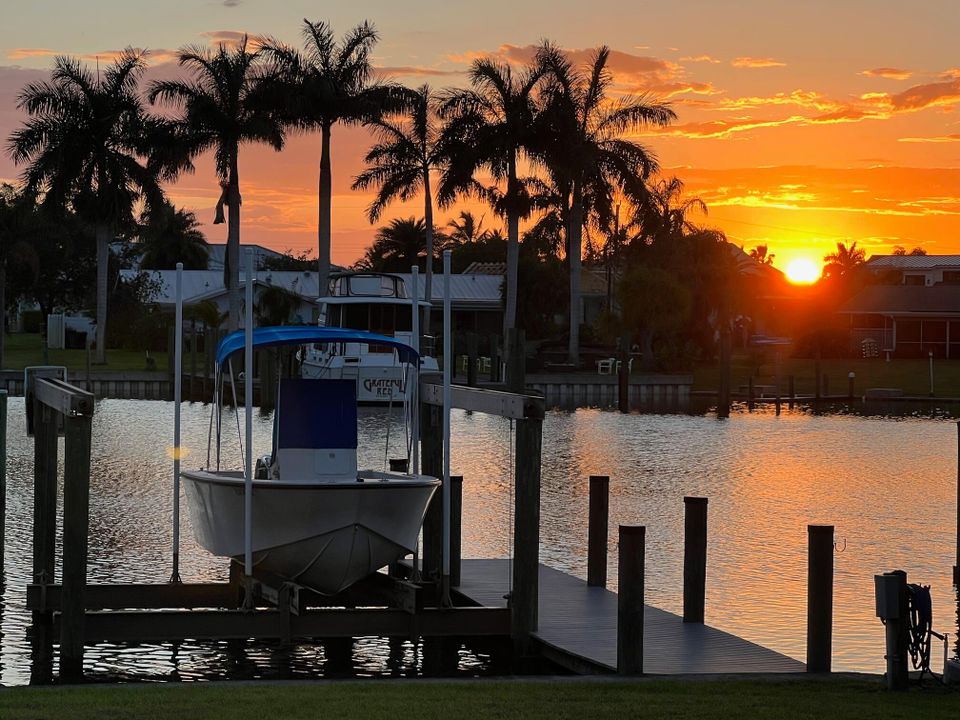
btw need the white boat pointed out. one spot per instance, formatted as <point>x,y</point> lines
<point>375,302</point>
<point>317,520</point>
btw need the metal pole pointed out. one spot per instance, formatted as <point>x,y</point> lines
<point>177,398</point>
<point>248,403</point>
<point>447,361</point>
<point>415,391</point>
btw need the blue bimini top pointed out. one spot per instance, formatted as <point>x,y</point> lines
<point>306,334</point>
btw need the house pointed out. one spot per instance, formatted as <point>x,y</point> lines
<point>217,252</point>
<point>907,320</point>
<point>916,270</point>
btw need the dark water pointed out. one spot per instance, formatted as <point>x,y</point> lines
<point>889,486</point>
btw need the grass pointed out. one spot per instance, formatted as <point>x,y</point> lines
<point>911,376</point>
<point>24,349</point>
<point>822,700</point>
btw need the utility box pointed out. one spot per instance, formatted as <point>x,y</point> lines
<point>887,596</point>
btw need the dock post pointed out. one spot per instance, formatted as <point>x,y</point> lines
<point>44,531</point>
<point>750,393</point>
<point>956,566</point>
<point>694,558</point>
<point>896,634</point>
<point>826,385</point>
<point>851,376</point>
<point>792,391</point>
<point>494,358</point>
<point>76,522</point>
<point>723,392</point>
<point>431,463</point>
<point>456,528</point>
<point>526,531</point>
<point>516,361</point>
<point>819,598</point>
<point>597,529</point>
<point>630,610</point>
<point>3,477</point>
<point>472,359</point>
<point>623,385</point>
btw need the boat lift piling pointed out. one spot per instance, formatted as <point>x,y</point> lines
<point>177,399</point>
<point>248,417</point>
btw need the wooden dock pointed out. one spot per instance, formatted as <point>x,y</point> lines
<point>578,629</point>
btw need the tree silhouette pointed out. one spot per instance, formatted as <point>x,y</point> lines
<point>489,129</point>
<point>588,153</point>
<point>222,107</point>
<point>170,235</point>
<point>399,166</point>
<point>760,254</point>
<point>330,82</point>
<point>844,261</point>
<point>85,145</point>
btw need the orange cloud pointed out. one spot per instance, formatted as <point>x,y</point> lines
<point>158,55</point>
<point>719,129</point>
<point>229,38</point>
<point>800,98</point>
<point>700,58</point>
<point>752,62</point>
<point>414,71</point>
<point>887,72</point>
<point>936,139</point>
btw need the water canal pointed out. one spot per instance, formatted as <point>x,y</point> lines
<point>888,484</point>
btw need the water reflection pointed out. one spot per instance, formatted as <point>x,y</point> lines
<point>887,484</point>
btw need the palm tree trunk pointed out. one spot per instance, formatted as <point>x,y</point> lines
<point>513,254</point>
<point>323,219</point>
<point>233,245</point>
<point>102,232</point>
<point>574,245</point>
<point>428,221</point>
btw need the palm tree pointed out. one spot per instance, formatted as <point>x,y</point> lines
<point>585,150</point>
<point>760,254</point>
<point>399,164</point>
<point>85,144</point>
<point>467,229</point>
<point>171,235</point>
<point>397,246</point>
<point>844,261</point>
<point>330,82</point>
<point>490,129</point>
<point>665,216</point>
<point>222,107</point>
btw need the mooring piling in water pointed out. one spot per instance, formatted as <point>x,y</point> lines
<point>456,528</point>
<point>630,599</point>
<point>598,520</point>
<point>694,558</point>
<point>3,475</point>
<point>819,598</point>
<point>526,530</point>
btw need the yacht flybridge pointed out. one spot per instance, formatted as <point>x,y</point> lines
<point>373,302</point>
<point>315,519</point>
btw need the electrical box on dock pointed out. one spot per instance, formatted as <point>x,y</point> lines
<point>888,596</point>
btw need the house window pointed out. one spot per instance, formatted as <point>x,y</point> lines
<point>914,279</point>
<point>951,277</point>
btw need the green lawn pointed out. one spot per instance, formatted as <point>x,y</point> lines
<point>24,349</point>
<point>912,376</point>
<point>533,699</point>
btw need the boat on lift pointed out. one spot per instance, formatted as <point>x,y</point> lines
<point>374,302</point>
<point>317,520</point>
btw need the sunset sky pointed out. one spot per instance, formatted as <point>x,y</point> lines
<point>799,124</point>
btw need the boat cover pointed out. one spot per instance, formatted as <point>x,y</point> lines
<point>306,334</point>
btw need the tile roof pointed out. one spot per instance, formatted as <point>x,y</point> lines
<point>913,262</point>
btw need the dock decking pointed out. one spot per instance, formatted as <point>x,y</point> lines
<point>578,628</point>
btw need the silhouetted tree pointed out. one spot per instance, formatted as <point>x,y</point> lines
<point>845,261</point>
<point>760,254</point>
<point>465,228</point>
<point>222,107</point>
<point>170,235</point>
<point>85,144</point>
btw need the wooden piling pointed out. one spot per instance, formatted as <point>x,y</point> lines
<point>792,392</point>
<point>76,520</point>
<point>456,528</point>
<point>630,609</point>
<point>694,558</point>
<point>44,492</point>
<point>494,358</point>
<point>826,384</point>
<point>819,598</point>
<point>726,351</point>
<point>431,463</point>
<point>516,361</point>
<point>850,382</point>
<point>526,532</point>
<point>623,385</point>
<point>472,359</point>
<point>597,529</point>
<point>3,476</point>
<point>956,566</point>
<point>750,393</point>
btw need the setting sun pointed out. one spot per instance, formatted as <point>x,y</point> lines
<point>802,271</point>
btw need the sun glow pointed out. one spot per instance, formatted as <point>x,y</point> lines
<point>802,271</point>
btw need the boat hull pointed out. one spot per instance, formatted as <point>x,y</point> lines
<point>322,535</point>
